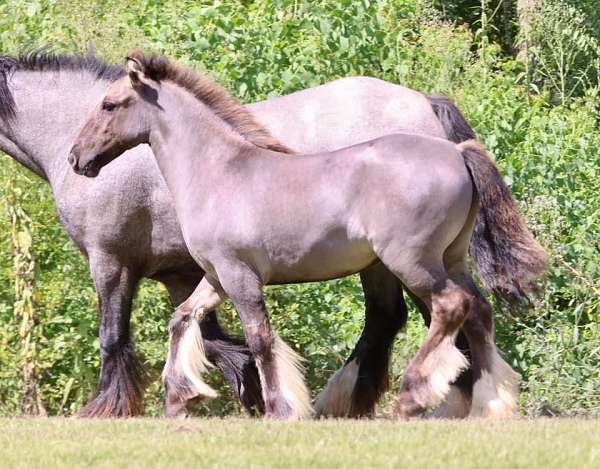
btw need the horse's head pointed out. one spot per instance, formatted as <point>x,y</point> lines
<point>121,121</point>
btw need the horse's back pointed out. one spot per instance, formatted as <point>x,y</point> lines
<point>409,151</point>
<point>310,120</point>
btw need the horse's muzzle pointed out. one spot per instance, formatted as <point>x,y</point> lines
<point>90,169</point>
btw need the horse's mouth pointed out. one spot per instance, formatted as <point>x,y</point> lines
<point>92,168</point>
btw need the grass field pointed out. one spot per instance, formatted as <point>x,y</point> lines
<point>248,443</point>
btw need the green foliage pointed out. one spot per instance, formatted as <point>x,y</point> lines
<point>565,50</point>
<point>491,20</point>
<point>546,142</point>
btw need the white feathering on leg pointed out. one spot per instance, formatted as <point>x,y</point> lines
<point>455,406</point>
<point>291,381</point>
<point>495,393</point>
<point>336,399</point>
<point>192,359</point>
<point>442,366</point>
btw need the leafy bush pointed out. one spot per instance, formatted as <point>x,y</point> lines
<point>565,50</point>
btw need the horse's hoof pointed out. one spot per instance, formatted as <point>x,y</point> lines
<point>176,410</point>
<point>406,408</point>
<point>279,410</point>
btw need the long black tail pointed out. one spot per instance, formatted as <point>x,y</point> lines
<point>509,260</point>
<point>454,123</point>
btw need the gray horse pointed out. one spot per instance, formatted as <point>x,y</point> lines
<point>43,101</point>
<point>251,217</point>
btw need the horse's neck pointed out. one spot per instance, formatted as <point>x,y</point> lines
<point>50,108</point>
<point>192,144</point>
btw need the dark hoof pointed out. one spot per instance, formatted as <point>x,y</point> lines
<point>121,394</point>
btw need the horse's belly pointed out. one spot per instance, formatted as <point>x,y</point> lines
<point>322,263</point>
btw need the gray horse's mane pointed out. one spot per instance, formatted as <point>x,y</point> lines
<point>41,60</point>
<point>225,106</point>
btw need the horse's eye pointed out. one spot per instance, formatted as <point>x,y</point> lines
<point>106,106</point>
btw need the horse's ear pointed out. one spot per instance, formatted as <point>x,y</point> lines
<point>135,70</point>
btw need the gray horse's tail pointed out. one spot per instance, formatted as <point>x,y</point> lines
<point>509,260</point>
<point>454,123</point>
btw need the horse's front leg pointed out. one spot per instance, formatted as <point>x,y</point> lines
<point>121,378</point>
<point>284,392</point>
<point>230,355</point>
<point>187,361</point>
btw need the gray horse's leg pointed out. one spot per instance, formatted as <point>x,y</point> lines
<point>284,392</point>
<point>230,355</point>
<point>457,403</point>
<point>121,376</point>
<point>438,362</point>
<point>353,391</point>
<point>187,360</point>
<point>496,384</point>
<point>437,279</point>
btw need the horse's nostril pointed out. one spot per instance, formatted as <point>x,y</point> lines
<point>72,160</point>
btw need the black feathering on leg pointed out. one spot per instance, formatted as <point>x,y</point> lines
<point>120,390</point>
<point>386,314</point>
<point>234,359</point>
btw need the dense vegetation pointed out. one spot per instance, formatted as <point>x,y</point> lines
<point>530,92</point>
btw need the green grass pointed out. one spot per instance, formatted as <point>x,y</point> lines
<point>251,443</point>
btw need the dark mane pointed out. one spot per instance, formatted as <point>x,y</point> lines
<point>224,105</point>
<point>42,60</point>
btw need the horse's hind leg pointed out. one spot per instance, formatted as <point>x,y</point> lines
<point>457,403</point>
<point>438,362</point>
<point>353,391</point>
<point>496,384</point>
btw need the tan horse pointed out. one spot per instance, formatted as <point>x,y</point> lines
<point>251,217</point>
